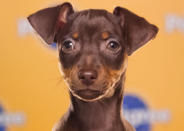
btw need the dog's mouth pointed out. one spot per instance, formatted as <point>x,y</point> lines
<point>88,93</point>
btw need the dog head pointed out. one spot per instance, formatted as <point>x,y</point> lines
<point>93,45</point>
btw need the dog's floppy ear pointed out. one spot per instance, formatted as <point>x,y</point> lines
<point>46,22</point>
<point>137,30</point>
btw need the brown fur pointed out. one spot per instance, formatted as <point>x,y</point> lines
<point>93,49</point>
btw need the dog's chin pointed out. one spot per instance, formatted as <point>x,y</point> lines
<point>88,94</point>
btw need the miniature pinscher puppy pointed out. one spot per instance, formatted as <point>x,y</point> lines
<point>93,47</point>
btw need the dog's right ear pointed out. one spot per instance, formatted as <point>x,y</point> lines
<point>48,21</point>
<point>138,31</point>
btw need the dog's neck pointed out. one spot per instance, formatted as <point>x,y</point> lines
<point>103,114</point>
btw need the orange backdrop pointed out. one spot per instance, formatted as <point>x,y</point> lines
<point>32,92</point>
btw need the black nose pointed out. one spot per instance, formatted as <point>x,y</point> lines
<point>87,77</point>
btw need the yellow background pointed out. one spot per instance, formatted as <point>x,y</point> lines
<point>30,81</point>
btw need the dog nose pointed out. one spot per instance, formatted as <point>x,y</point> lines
<point>87,77</point>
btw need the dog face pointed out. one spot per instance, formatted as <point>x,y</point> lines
<point>93,45</point>
<point>91,52</point>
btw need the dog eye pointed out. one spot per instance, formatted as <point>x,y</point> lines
<point>68,46</point>
<point>113,46</point>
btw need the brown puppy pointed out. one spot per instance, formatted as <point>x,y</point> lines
<point>93,47</point>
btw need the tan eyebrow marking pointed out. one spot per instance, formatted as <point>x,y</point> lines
<point>105,35</point>
<point>75,35</point>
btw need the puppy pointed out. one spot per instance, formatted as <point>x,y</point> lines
<point>93,47</point>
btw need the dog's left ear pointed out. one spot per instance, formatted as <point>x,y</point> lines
<point>48,21</point>
<point>137,30</point>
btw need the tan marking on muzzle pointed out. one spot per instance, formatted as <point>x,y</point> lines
<point>66,73</point>
<point>114,76</point>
